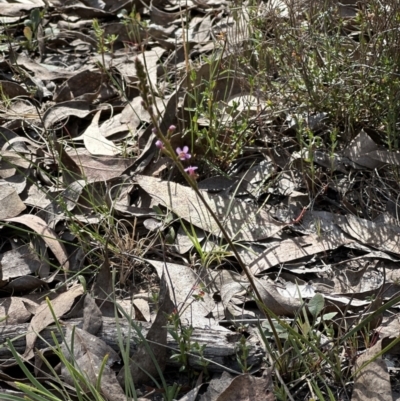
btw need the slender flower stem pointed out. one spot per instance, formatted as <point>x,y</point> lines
<point>147,104</point>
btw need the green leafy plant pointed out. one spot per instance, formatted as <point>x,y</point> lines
<point>31,28</point>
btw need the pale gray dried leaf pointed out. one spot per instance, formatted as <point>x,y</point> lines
<point>149,58</point>
<point>142,309</point>
<point>386,157</point>
<point>242,105</point>
<point>230,284</point>
<point>127,306</point>
<point>389,328</point>
<point>314,222</point>
<point>89,353</point>
<point>217,385</point>
<point>61,111</point>
<point>95,142</point>
<point>278,8</point>
<point>285,184</point>
<point>36,196</point>
<point>134,113</point>
<point>17,10</point>
<point>153,225</point>
<point>85,342</point>
<point>250,251</point>
<point>9,140</point>
<point>236,313</point>
<point>92,317</point>
<point>185,284</point>
<point>11,204</point>
<point>259,172</point>
<point>142,365</point>
<point>297,291</point>
<point>160,17</point>
<point>247,387</point>
<point>345,301</point>
<point>297,248</point>
<point>44,317</point>
<point>382,236</point>
<point>62,203</point>
<point>358,150</point>
<point>211,246</point>
<point>131,114</point>
<point>202,32</point>
<point>372,382</point>
<point>114,125</point>
<point>99,168</point>
<point>47,234</point>
<point>11,160</point>
<point>15,310</point>
<point>103,286</point>
<point>347,279</point>
<point>274,301</point>
<point>241,220</point>
<point>19,262</point>
<point>79,84</point>
<point>17,181</point>
<point>20,110</point>
<point>40,71</point>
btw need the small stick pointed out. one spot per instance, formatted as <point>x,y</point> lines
<point>299,218</point>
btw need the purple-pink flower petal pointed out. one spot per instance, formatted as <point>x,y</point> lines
<point>159,144</point>
<point>183,154</point>
<point>191,170</point>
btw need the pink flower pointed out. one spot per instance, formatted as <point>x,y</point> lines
<point>159,144</point>
<point>191,170</point>
<point>183,154</point>
<point>171,128</point>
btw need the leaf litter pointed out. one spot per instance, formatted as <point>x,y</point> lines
<point>75,143</point>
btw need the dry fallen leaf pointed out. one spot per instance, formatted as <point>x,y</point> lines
<point>372,382</point>
<point>15,311</point>
<point>19,262</point>
<point>183,285</point>
<point>11,204</point>
<point>297,248</point>
<point>61,111</point>
<point>95,142</point>
<point>379,235</point>
<point>241,388</point>
<point>92,317</point>
<point>274,301</point>
<point>88,355</point>
<point>142,366</point>
<point>359,148</point>
<point>99,168</point>
<point>47,234</point>
<point>243,222</point>
<point>44,317</point>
